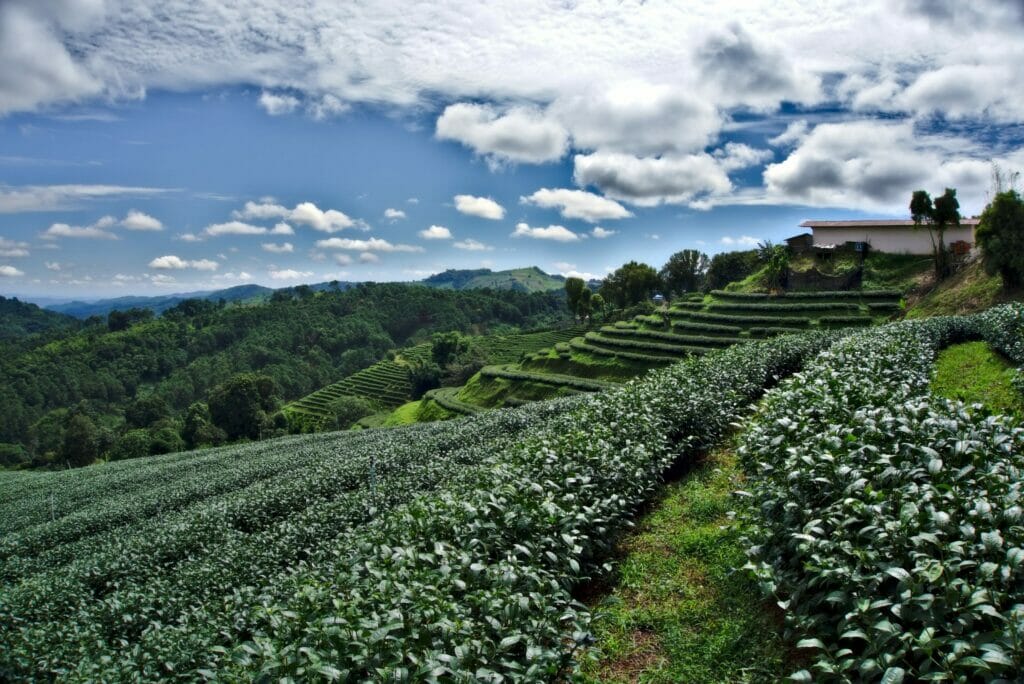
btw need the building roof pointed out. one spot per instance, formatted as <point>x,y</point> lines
<point>875,223</point>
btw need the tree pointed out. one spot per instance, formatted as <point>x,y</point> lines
<point>445,346</point>
<point>573,291</point>
<point>122,320</point>
<point>937,216</point>
<point>198,430</point>
<point>241,406</point>
<point>145,411</point>
<point>424,376</point>
<point>132,444</point>
<point>347,409</point>
<point>81,440</point>
<point>728,267</point>
<point>776,258</point>
<point>1000,236</point>
<point>630,284</point>
<point>684,271</point>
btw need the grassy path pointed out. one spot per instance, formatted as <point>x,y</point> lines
<point>974,373</point>
<point>678,610</point>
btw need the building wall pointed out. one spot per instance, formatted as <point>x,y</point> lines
<point>898,240</point>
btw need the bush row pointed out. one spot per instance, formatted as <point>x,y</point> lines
<point>886,521</point>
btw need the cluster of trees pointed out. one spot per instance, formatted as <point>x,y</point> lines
<point>85,382</point>
<point>685,271</point>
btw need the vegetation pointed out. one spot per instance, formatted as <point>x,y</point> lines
<point>301,339</point>
<point>1000,235</point>
<point>887,520</point>
<point>630,284</point>
<point>729,267</point>
<point>518,280</point>
<point>937,216</point>
<point>969,290</point>
<point>972,372</point>
<point>684,271</point>
<point>261,560</point>
<point>19,320</point>
<point>679,611</point>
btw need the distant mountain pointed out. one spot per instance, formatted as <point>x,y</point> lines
<point>530,279</point>
<point>159,304</point>
<point>20,319</point>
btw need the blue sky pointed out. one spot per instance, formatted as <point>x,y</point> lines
<point>278,146</point>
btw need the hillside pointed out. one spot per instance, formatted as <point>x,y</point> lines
<point>530,279</point>
<point>20,319</point>
<point>302,340</point>
<point>159,304</point>
<point>460,549</point>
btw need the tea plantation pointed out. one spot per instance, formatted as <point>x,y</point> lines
<point>885,522</point>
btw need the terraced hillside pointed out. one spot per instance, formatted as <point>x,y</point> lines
<point>614,353</point>
<point>387,383</point>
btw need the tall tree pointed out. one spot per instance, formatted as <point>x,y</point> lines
<point>1001,237</point>
<point>684,271</point>
<point>728,267</point>
<point>630,284</point>
<point>573,291</point>
<point>936,216</point>
<point>241,406</point>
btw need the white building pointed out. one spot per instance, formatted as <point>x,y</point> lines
<point>894,236</point>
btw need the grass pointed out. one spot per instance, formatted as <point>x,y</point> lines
<point>967,291</point>
<point>679,611</point>
<point>403,415</point>
<point>975,373</point>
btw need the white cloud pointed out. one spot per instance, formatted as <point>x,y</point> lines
<point>241,276</point>
<point>648,181</point>
<point>52,265</point>
<point>519,134</point>
<point>342,259</point>
<point>394,214</point>
<point>326,107</point>
<point>162,280</point>
<point>136,220</point>
<point>582,275</point>
<point>368,258</point>
<point>734,156</point>
<point>276,105</point>
<point>601,233</point>
<point>471,245</point>
<point>741,241</point>
<point>282,229</point>
<point>794,133</point>
<point>556,233</point>
<point>577,204</point>
<point>563,266</point>
<point>234,228</point>
<point>874,166</point>
<point>95,231</point>
<point>639,118</point>
<point>305,213</point>
<point>436,233</point>
<point>25,198</point>
<point>369,245</point>
<point>189,237</point>
<point>172,262</point>
<point>12,249</point>
<point>289,274</point>
<point>10,272</point>
<point>275,248</point>
<point>481,207</point>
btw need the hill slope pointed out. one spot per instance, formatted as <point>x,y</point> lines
<point>530,279</point>
<point>159,304</point>
<point>19,319</point>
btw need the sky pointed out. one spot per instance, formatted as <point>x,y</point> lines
<point>157,146</point>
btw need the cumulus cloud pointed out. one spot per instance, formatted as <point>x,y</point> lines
<point>556,233</point>
<point>289,274</point>
<point>25,198</point>
<point>305,213</point>
<point>394,214</point>
<point>601,233</point>
<point>96,231</point>
<point>577,204</point>
<point>794,133</point>
<point>13,249</point>
<point>189,237</point>
<point>639,118</point>
<point>282,229</point>
<point>519,134</point>
<point>481,207</point>
<point>741,241</point>
<point>172,262</point>
<point>8,271</point>
<point>436,233</point>
<point>136,220</point>
<point>734,156</point>
<point>471,245</point>
<point>326,107</point>
<point>874,165</point>
<point>648,181</point>
<point>342,259</point>
<point>278,104</point>
<point>368,258</point>
<point>368,245</point>
<point>52,265</point>
<point>234,228</point>
<point>276,248</point>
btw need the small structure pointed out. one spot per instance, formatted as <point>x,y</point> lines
<point>800,244</point>
<point>658,298</point>
<point>893,236</point>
